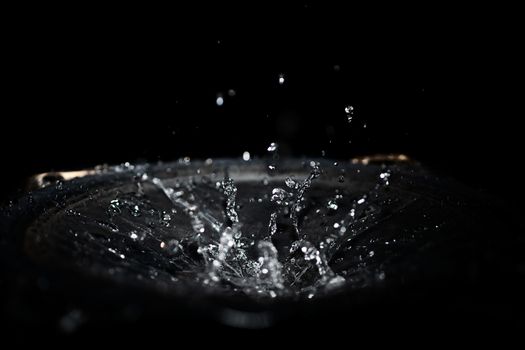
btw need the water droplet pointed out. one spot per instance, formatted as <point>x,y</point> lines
<point>291,183</point>
<point>273,147</point>
<point>332,204</point>
<point>220,100</point>
<point>281,79</point>
<point>349,110</point>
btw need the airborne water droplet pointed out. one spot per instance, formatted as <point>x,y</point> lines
<point>273,147</point>
<point>281,79</point>
<point>349,110</point>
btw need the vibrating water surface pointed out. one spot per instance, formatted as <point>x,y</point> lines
<point>264,229</point>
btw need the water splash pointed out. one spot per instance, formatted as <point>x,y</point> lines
<point>300,191</point>
<point>203,234</point>
<point>228,186</point>
<point>273,147</point>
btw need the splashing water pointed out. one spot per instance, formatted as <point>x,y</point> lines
<point>228,260</point>
<point>276,237</point>
<point>281,79</point>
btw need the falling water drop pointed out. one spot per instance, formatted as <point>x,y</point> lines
<point>273,147</point>
<point>281,79</point>
<point>220,100</point>
<point>349,110</point>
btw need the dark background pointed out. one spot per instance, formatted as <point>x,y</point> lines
<point>89,86</point>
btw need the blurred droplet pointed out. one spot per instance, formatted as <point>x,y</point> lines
<point>281,79</point>
<point>220,100</point>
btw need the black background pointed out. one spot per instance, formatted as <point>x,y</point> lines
<point>86,86</point>
<point>90,86</point>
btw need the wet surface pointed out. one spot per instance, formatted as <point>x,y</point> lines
<point>246,242</point>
